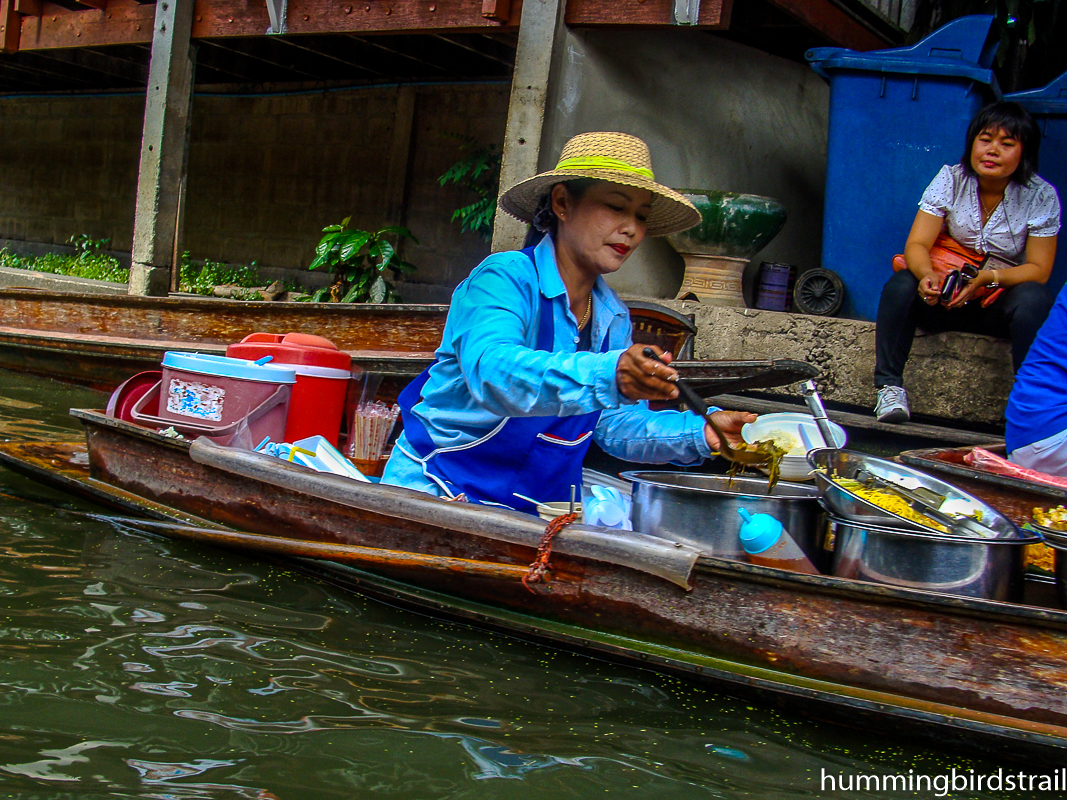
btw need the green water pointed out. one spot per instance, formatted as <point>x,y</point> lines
<point>133,666</point>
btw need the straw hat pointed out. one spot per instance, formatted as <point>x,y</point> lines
<point>615,157</point>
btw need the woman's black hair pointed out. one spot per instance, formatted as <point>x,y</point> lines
<point>1017,123</point>
<point>544,218</point>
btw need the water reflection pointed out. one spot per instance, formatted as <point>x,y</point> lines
<point>135,666</point>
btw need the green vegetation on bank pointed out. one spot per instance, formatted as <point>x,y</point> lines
<point>201,277</point>
<point>89,261</point>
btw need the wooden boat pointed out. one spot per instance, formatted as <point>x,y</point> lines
<point>1016,497</point>
<point>100,340</point>
<point>987,676</point>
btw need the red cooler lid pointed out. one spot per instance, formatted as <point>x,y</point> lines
<point>292,348</point>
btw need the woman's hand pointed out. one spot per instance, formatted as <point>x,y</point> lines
<point>730,422</point>
<point>930,289</point>
<point>964,295</point>
<point>642,378</point>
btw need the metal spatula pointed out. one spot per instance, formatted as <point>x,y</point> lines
<point>698,406</point>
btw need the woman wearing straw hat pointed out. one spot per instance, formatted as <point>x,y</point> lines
<point>537,357</point>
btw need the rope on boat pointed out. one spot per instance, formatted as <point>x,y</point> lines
<point>539,568</point>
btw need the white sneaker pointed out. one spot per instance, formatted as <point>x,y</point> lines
<point>892,405</point>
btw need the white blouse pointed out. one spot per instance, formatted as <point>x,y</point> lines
<point>1031,210</point>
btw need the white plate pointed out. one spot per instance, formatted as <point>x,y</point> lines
<point>789,425</point>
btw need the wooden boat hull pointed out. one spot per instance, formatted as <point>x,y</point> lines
<point>101,340</point>
<point>971,672</point>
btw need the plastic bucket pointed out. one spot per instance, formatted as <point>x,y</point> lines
<point>322,374</point>
<point>211,395</point>
<point>775,292</point>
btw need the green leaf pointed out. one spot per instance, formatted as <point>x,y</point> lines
<point>400,230</point>
<point>325,244</point>
<point>352,243</point>
<point>317,262</point>
<point>321,293</point>
<point>402,266</point>
<point>351,295</point>
<point>386,251</point>
<point>378,290</point>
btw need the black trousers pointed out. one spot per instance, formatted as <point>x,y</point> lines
<point>1017,315</point>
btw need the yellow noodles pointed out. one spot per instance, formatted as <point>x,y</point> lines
<point>889,501</point>
<point>1055,518</point>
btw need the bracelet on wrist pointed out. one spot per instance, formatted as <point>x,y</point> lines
<point>993,284</point>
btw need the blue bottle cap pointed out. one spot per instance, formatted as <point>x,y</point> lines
<point>758,531</point>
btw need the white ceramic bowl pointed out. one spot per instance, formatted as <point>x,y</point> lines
<point>797,433</point>
<point>549,511</point>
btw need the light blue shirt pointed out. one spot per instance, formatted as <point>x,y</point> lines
<point>487,370</point>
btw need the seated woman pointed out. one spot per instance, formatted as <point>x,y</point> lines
<point>992,203</point>
<point>1036,434</point>
<point>537,357</point>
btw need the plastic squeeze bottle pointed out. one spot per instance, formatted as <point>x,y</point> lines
<point>768,543</point>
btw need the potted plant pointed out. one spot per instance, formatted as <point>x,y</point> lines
<point>360,260</point>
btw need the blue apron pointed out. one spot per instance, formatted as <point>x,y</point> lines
<point>523,457</point>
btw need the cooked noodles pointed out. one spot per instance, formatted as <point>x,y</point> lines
<point>1055,518</point>
<point>890,501</point>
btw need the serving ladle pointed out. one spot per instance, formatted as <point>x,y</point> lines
<point>750,458</point>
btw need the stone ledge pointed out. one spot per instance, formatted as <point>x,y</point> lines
<point>26,278</point>
<point>957,377</point>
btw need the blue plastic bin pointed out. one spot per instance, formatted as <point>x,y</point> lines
<point>896,117</point>
<point>1049,108</point>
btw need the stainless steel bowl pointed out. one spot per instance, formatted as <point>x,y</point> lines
<point>701,510</point>
<point>960,565</point>
<point>842,503</point>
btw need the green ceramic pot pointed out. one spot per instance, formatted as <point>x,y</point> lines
<point>732,224</point>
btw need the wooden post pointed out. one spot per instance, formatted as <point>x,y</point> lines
<point>168,105</point>
<point>399,157</point>
<point>10,27</point>
<point>540,27</point>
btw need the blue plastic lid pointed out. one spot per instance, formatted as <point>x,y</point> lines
<point>1050,99</point>
<point>963,48</point>
<point>224,367</point>
<point>758,531</point>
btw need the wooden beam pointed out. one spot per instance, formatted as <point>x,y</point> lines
<point>835,24</point>
<point>396,182</point>
<point>127,21</point>
<point>28,8</point>
<point>122,22</point>
<point>496,10</point>
<point>10,27</point>
<point>645,13</point>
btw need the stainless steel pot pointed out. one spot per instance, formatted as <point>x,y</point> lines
<point>1057,540</point>
<point>986,568</point>
<point>701,510</point>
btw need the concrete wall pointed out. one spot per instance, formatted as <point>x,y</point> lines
<point>717,115</point>
<point>266,173</point>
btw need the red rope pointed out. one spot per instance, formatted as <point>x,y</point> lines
<point>540,567</point>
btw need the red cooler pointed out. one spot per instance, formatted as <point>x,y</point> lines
<point>322,374</point>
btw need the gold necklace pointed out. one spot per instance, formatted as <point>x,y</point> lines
<point>588,311</point>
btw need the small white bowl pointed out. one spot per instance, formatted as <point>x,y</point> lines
<point>549,511</point>
<point>785,428</point>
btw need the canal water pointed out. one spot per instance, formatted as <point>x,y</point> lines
<point>134,666</point>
